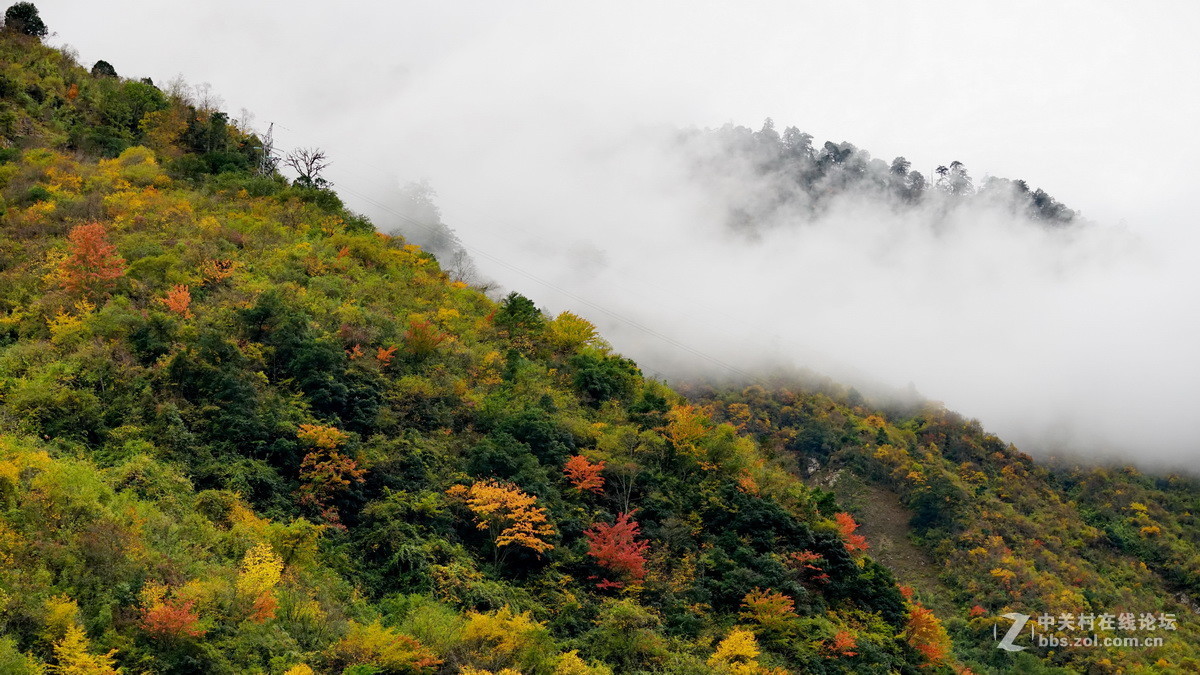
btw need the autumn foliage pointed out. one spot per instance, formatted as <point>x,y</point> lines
<point>808,564</point>
<point>92,265</point>
<point>616,548</point>
<point>842,644</point>
<point>509,514</point>
<point>769,609</point>
<point>384,355</point>
<point>179,300</point>
<point>168,618</point>
<point>584,475</point>
<point>422,338</point>
<point>926,634</point>
<point>73,657</point>
<point>847,526</point>
<point>686,427</point>
<point>261,571</point>
<point>325,472</point>
<point>738,654</point>
<point>172,619</point>
<point>377,645</point>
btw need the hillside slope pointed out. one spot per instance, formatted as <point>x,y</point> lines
<point>999,532</point>
<point>242,432</point>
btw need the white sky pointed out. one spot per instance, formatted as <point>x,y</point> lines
<point>521,115</point>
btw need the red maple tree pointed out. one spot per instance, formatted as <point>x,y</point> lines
<point>616,548</point>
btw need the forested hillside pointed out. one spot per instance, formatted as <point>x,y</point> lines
<point>241,431</point>
<point>997,531</point>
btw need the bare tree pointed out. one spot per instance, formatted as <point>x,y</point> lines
<point>206,99</point>
<point>308,163</point>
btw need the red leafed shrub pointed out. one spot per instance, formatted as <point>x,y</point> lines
<point>616,548</point>
<point>584,475</point>
<point>841,644</point>
<point>172,619</point>
<point>808,564</point>
<point>847,526</point>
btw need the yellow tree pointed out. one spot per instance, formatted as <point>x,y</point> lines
<point>738,654</point>
<point>71,653</point>
<point>686,426</point>
<point>261,571</point>
<point>509,514</point>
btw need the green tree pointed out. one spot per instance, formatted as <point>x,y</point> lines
<point>103,69</point>
<point>23,18</point>
<point>519,316</point>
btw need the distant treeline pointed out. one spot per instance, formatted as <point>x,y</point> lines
<point>784,175</point>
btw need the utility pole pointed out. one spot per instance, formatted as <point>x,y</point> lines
<point>268,162</point>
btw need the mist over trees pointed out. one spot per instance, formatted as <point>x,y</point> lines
<point>792,180</point>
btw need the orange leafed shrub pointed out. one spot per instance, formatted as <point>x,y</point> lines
<point>216,270</point>
<point>422,338</point>
<point>179,300</point>
<point>584,475</point>
<point>325,473</point>
<point>92,265</point>
<point>926,634</point>
<point>385,355</point>
<point>847,526</point>
<point>264,608</point>
<point>172,619</point>
<point>843,643</point>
